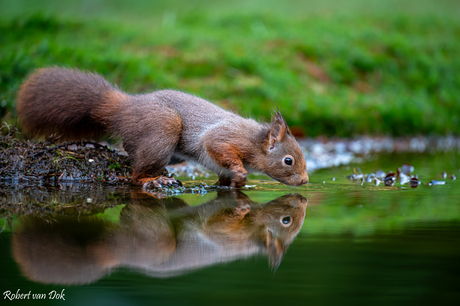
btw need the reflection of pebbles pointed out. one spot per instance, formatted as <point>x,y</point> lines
<point>161,238</point>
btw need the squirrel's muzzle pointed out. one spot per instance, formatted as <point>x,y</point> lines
<point>304,179</point>
<point>297,180</point>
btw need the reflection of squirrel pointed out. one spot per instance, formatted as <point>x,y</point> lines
<point>161,238</point>
<point>156,126</point>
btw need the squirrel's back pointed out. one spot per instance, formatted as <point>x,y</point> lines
<point>69,102</point>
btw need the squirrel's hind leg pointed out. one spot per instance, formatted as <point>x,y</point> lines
<point>152,150</point>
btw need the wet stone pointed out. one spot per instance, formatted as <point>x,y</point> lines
<point>402,176</point>
<point>407,169</point>
<point>414,182</point>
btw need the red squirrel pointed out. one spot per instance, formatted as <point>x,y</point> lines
<point>158,125</point>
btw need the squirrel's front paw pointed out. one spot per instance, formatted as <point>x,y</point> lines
<point>159,182</point>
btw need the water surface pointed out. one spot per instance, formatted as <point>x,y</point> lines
<point>352,243</point>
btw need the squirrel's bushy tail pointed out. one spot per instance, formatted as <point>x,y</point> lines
<point>67,102</point>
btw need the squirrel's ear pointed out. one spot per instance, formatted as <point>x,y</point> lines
<point>278,129</point>
<point>274,249</point>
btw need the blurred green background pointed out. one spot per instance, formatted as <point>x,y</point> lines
<point>334,68</point>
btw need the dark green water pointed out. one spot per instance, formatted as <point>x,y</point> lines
<point>352,244</point>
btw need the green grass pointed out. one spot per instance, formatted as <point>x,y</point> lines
<point>336,68</point>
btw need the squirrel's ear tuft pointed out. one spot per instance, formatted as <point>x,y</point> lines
<point>278,129</point>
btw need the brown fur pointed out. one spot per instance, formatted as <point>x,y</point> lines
<point>67,102</point>
<point>156,126</point>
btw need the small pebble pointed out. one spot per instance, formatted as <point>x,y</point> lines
<point>407,169</point>
<point>390,181</point>
<point>414,182</point>
<point>403,178</point>
<point>380,174</point>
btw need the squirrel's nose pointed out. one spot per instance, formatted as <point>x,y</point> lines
<point>304,180</point>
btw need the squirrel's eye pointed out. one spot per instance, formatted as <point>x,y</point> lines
<point>286,221</point>
<point>288,161</point>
